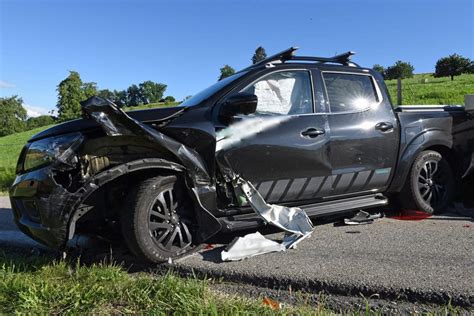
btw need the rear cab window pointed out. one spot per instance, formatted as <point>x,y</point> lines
<point>349,92</point>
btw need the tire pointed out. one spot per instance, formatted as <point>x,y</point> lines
<point>430,184</point>
<point>159,222</point>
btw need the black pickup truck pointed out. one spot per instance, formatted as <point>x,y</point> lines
<point>317,133</point>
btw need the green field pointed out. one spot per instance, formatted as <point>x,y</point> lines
<point>425,89</point>
<point>10,147</point>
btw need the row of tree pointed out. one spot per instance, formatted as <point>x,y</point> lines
<point>450,66</point>
<point>72,91</point>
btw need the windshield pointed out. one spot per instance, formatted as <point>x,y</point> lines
<point>206,93</point>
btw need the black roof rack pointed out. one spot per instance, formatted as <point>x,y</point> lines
<point>288,54</point>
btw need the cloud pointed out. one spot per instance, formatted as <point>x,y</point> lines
<point>6,85</point>
<point>34,111</point>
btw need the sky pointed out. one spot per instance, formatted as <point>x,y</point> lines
<point>184,43</point>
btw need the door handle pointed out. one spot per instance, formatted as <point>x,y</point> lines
<point>384,126</point>
<point>313,132</point>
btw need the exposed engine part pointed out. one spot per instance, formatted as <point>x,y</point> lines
<point>93,164</point>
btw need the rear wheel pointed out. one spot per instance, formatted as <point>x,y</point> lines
<point>159,223</point>
<point>430,185</point>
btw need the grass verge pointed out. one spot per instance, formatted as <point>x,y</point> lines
<point>42,286</point>
<point>10,148</point>
<point>425,89</point>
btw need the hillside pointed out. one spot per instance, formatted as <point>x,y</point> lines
<point>425,89</point>
<point>10,147</point>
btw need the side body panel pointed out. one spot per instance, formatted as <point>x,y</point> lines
<point>283,165</point>
<point>362,157</point>
<point>420,131</point>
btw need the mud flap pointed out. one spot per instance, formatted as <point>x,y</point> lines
<point>115,122</point>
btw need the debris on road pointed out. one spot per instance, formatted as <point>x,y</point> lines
<point>292,220</point>
<point>250,245</point>
<point>362,218</point>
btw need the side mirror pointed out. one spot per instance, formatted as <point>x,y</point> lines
<point>241,103</point>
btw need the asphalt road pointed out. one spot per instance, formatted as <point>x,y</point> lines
<point>429,260</point>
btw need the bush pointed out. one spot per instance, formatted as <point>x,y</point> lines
<point>43,120</point>
<point>400,69</point>
<point>169,99</point>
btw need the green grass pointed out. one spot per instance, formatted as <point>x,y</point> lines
<point>10,148</point>
<point>425,89</point>
<point>41,286</point>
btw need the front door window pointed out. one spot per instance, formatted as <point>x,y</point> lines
<point>283,93</point>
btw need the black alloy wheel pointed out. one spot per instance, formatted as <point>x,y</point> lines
<point>159,223</point>
<point>430,185</point>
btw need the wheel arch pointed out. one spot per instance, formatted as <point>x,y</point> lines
<point>134,170</point>
<point>442,145</point>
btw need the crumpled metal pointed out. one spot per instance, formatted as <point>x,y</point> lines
<point>250,245</point>
<point>292,220</point>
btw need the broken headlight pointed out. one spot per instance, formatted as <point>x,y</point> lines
<point>53,149</point>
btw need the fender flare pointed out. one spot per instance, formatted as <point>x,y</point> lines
<point>430,138</point>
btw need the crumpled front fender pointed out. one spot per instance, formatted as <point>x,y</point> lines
<point>115,122</point>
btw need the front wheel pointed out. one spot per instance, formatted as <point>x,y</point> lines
<point>159,223</point>
<point>430,185</point>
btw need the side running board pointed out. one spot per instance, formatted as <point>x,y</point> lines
<point>252,220</point>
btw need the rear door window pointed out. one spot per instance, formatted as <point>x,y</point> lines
<point>349,92</point>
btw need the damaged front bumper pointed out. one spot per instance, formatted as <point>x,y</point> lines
<point>47,212</point>
<point>38,204</point>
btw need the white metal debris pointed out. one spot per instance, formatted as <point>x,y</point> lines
<point>293,220</point>
<point>250,245</point>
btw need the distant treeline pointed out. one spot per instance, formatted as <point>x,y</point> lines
<point>450,66</point>
<point>71,91</point>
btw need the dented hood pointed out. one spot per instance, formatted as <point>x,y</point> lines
<point>150,115</point>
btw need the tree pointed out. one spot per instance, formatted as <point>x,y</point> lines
<point>134,95</point>
<point>169,99</point>
<point>259,55</point>
<point>70,94</point>
<point>453,65</point>
<point>226,71</point>
<point>379,68</point>
<point>90,89</point>
<point>12,115</point>
<point>400,69</point>
<point>42,120</point>
<point>120,98</point>
<point>151,92</point>
<point>107,94</point>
